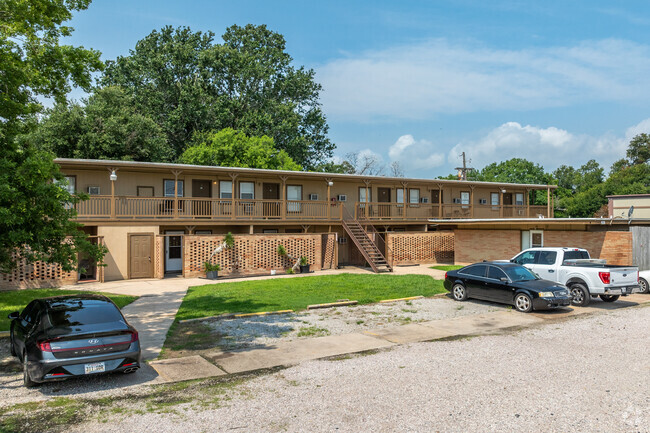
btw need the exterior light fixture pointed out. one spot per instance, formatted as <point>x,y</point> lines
<point>113,176</point>
<point>330,183</point>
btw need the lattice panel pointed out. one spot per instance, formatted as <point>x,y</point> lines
<point>34,275</point>
<point>159,264</point>
<point>428,247</point>
<point>329,251</point>
<point>250,254</point>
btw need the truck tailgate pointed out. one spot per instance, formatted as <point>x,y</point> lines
<point>623,276</point>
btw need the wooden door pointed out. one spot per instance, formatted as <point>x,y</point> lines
<point>507,204</point>
<point>140,262</point>
<point>435,202</point>
<point>383,196</point>
<point>201,188</point>
<point>271,191</point>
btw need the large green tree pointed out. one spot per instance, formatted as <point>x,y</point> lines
<point>638,151</point>
<point>36,214</point>
<point>230,148</point>
<point>106,127</point>
<point>189,84</point>
<point>516,170</point>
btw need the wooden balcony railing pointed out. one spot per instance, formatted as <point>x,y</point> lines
<point>124,208</point>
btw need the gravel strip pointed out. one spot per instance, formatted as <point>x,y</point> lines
<point>586,374</point>
<point>260,331</point>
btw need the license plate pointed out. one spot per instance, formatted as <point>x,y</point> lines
<point>97,367</point>
<point>614,292</point>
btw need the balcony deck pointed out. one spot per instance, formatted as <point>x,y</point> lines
<point>120,208</point>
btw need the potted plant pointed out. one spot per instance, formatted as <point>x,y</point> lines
<point>211,271</point>
<point>304,265</point>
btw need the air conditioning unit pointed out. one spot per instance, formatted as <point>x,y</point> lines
<point>424,199</point>
<point>313,197</point>
<point>482,201</point>
<point>343,240</point>
<point>93,190</point>
<point>456,201</point>
<point>342,197</point>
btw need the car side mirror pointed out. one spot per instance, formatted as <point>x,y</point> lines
<point>13,316</point>
<point>504,280</point>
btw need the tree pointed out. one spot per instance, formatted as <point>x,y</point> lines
<point>638,151</point>
<point>566,177</point>
<point>106,127</point>
<point>618,166</point>
<point>367,163</point>
<point>332,167</point>
<point>230,148</point>
<point>589,175</point>
<point>516,170</point>
<point>36,214</point>
<point>396,169</point>
<point>188,84</point>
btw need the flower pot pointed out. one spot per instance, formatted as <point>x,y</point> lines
<point>304,269</point>
<point>212,275</point>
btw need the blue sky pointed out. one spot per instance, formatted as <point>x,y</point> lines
<point>419,82</point>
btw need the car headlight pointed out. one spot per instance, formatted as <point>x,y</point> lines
<point>546,294</point>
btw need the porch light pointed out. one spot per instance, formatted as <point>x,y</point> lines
<point>113,176</point>
<point>503,191</point>
<point>330,183</point>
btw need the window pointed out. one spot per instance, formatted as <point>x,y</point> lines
<point>526,258</point>
<point>202,232</point>
<point>400,195</point>
<point>247,190</point>
<point>169,188</point>
<point>573,255</point>
<point>494,198</point>
<point>88,313</point>
<point>294,192</point>
<point>536,238</point>
<point>547,257</point>
<point>69,184</point>
<point>270,231</point>
<point>362,194</point>
<point>475,270</point>
<point>495,273</point>
<point>519,199</point>
<point>519,273</point>
<point>225,189</point>
<point>414,196</point>
<point>464,199</point>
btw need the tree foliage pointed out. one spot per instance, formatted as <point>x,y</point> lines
<point>36,215</point>
<point>106,127</point>
<point>230,148</point>
<point>189,84</point>
<point>638,152</point>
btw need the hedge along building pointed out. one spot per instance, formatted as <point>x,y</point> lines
<point>158,219</point>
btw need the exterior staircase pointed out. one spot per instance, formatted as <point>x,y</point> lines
<point>368,248</point>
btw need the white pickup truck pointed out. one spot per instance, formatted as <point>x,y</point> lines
<point>585,277</point>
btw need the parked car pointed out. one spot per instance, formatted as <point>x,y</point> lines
<point>644,277</point>
<point>585,277</point>
<point>65,336</point>
<point>506,283</point>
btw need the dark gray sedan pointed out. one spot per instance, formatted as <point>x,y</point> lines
<point>65,336</point>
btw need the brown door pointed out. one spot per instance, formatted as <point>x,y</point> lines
<point>271,191</point>
<point>140,264</point>
<point>383,196</point>
<point>435,202</point>
<point>201,188</point>
<point>507,205</point>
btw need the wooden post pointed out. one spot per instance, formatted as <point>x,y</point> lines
<point>552,205</point>
<point>283,197</point>
<point>527,203</point>
<point>406,198</point>
<point>500,202</point>
<point>367,205</point>
<point>439,201</point>
<point>471,201</point>
<point>233,207</point>
<point>176,173</point>
<point>111,170</point>
<point>329,191</point>
<point>548,202</point>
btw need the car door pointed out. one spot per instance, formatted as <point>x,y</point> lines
<point>499,290</point>
<point>527,258</point>
<point>474,279</point>
<point>545,265</point>
<point>23,325</point>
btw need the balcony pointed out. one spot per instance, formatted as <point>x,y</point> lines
<point>425,211</point>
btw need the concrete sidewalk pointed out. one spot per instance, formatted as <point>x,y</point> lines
<point>294,352</point>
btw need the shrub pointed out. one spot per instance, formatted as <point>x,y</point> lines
<point>209,267</point>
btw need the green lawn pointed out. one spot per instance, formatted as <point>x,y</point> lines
<point>297,293</point>
<point>446,267</point>
<point>16,300</point>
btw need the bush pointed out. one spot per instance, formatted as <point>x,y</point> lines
<point>209,267</point>
<point>304,261</point>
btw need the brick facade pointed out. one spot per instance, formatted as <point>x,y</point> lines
<point>476,245</point>
<point>36,275</point>
<point>613,246</point>
<point>420,247</point>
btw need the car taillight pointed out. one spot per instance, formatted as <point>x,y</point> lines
<point>134,337</point>
<point>604,277</point>
<point>45,346</point>
<point>445,275</point>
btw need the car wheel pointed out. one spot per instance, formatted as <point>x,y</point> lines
<point>459,292</point>
<point>523,303</point>
<point>609,298</point>
<point>580,294</point>
<point>643,284</point>
<point>27,381</point>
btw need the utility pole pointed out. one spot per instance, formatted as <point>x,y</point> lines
<point>462,171</point>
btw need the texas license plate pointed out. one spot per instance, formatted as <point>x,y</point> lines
<point>97,367</point>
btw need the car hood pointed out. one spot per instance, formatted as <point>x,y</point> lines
<point>538,285</point>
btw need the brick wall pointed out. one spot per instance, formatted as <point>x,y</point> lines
<point>476,245</point>
<point>36,275</point>
<point>420,247</point>
<point>253,254</point>
<point>613,246</point>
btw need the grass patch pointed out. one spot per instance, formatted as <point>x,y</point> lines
<point>297,293</point>
<point>446,267</point>
<point>313,331</point>
<point>16,300</point>
<point>190,336</point>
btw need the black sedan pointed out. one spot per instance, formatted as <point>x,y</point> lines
<point>66,336</point>
<point>507,283</point>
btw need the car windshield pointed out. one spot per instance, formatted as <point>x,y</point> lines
<point>519,273</point>
<point>84,314</point>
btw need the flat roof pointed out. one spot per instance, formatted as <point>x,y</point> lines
<point>93,163</point>
<point>629,196</point>
<point>568,221</point>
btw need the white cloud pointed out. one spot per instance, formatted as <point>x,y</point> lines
<point>417,81</point>
<point>415,154</point>
<point>550,147</point>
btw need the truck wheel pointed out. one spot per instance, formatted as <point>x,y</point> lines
<point>581,296</point>
<point>459,292</point>
<point>523,303</point>
<point>609,298</point>
<point>644,285</point>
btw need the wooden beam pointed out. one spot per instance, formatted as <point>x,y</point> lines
<point>233,208</point>
<point>176,173</point>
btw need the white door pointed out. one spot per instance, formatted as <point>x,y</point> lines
<point>173,251</point>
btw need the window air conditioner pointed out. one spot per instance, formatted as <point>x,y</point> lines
<point>424,199</point>
<point>93,190</point>
<point>482,201</point>
<point>342,197</point>
<point>456,201</point>
<point>313,197</point>
<point>343,240</point>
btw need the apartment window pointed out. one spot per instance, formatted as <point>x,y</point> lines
<point>225,189</point>
<point>169,188</point>
<point>247,190</point>
<point>294,192</point>
<point>400,195</point>
<point>494,198</point>
<point>269,231</point>
<point>464,199</point>
<point>519,199</point>
<point>414,196</point>
<point>362,195</point>
<point>70,184</point>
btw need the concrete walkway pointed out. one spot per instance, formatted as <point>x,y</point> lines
<point>294,352</point>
